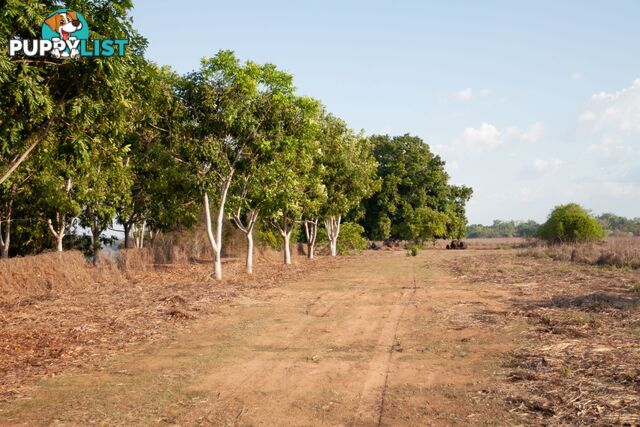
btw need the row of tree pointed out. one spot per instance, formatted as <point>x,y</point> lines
<point>611,223</point>
<point>504,229</point>
<point>89,142</point>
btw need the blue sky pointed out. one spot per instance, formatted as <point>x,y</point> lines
<point>532,104</point>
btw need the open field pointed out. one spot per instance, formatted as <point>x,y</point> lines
<point>447,337</point>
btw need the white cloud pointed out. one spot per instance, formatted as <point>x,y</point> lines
<point>547,165</point>
<point>587,116</point>
<point>534,133</point>
<point>615,111</point>
<point>467,94</point>
<point>486,136</point>
<point>576,76</point>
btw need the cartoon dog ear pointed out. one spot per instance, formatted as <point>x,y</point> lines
<point>54,22</point>
<point>72,15</point>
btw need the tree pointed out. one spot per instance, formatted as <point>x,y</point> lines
<point>614,223</point>
<point>315,197</point>
<point>415,201</point>
<point>227,105</point>
<point>294,169</point>
<point>348,173</point>
<point>36,93</point>
<point>162,187</point>
<point>571,223</point>
<point>49,102</point>
<point>59,185</point>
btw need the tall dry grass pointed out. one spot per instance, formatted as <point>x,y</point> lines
<point>40,275</point>
<point>622,252</point>
<point>49,273</point>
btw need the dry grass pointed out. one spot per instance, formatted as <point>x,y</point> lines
<point>498,243</point>
<point>579,361</point>
<point>57,311</point>
<point>614,251</point>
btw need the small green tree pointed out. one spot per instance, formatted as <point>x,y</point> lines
<point>349,174</point>
<point>352,240</point>
<point>571,223</point>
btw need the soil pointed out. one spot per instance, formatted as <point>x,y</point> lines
<point>444,338</point>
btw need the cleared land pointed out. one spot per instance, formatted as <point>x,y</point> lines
<point>448,337</point>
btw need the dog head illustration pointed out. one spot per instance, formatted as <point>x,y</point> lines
<point>64,23</point>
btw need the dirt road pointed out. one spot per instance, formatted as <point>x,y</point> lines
<point>382,339</point>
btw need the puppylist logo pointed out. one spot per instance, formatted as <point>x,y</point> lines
<point>65,34</point>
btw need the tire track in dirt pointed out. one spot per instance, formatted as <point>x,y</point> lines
<point>372,397</point>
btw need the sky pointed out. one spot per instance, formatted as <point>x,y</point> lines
<point>531,104</point>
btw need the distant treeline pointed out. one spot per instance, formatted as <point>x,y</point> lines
<point>612,223</point>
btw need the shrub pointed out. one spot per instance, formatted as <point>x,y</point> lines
<point>571,223</point>
<point>350,239</point>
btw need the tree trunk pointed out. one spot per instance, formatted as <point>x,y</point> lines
<point>59,242</point>
<point>287,248</point>
<point>216,242</point>
<point>95,238</point>
<point>142,230</point>
<point>217,270</point>
<point>127,234</point>
<point>248,230</point>
<point>250,251</point>
<point>4,240</point>
<point>332,225</point>
<point>58,234</point>
<point>311,231</point>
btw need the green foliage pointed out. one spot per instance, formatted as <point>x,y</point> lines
<point>504,229</point>
<point>413,249</point>
<point>615,224</point>
<point>571,223</point>
<point>415,201</point>
<point>350,241</point>
<point>349,168</point>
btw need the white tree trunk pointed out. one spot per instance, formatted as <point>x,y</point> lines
<point>58,234</point>
<point>248,230</point>
<point>287,248</point>
<point>215,249</point>
<point>136,239</point>
<point>332,225</point>
<point>250,251</point>
<point>216,242</point>
<point>311,231</point>
<point>138,233</point>
<point>5,240</point>
<point>285,232</point>
<point>144,226</point>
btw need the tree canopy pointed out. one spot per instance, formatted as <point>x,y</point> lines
<point>416,200</point>
<point>571,223</point>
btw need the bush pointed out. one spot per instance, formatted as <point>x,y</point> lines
<point>350,239</point>
<point>571,223</point>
